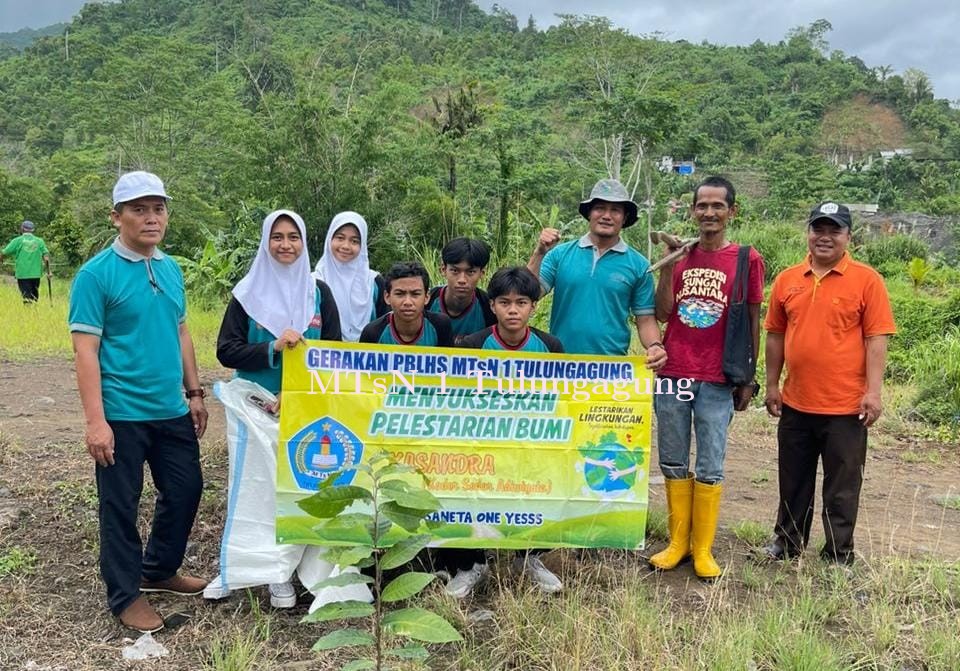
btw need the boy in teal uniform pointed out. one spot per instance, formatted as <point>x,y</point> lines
<point>408,322</point>
<point>135,366</point>
<point>513,298</point>
<point>30,258</point>
<point>467,306</point>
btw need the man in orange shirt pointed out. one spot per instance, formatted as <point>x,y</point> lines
<point>829,320</point>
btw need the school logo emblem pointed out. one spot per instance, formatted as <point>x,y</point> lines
<point>320,449</point>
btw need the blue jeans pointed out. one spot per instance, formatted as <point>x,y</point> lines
<point>711,409</point>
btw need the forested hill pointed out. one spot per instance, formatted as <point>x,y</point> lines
<point>433,118</point>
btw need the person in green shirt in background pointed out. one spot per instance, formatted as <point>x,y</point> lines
<point>30,256</point>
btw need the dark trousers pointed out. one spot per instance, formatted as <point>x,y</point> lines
<point>841,442</point>
<point>457,559</point>
<point>170,448</point>
<point>29,289</point>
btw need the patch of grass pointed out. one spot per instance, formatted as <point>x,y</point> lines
<point>760,478</point>
<point>921,456</point>
<point>752,533</point>
<point>17,562</point>
<point>40,330</point>
<point>951,501</point>
<point>657,525</point>
<point>244,648</point>
<point>941,647</point>
<point>239,651</point>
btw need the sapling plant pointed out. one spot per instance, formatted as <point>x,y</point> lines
<point>388,519</point>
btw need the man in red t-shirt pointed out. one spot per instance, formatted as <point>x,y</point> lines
<point>692,297</point>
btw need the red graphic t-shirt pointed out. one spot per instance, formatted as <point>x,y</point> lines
<point>702,284</point>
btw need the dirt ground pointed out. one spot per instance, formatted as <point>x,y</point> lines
<point>52,616</point>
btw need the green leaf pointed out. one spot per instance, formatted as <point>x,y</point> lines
<point>359,665</point>
<point>343,638</point>
<point>405,586</point>
<point>343,580</point>
<point>413,651</point>
<point>340,610</point>
<point>363,468</point>
<point>406,518</point>
<point>382,528</point>
<point>331,502</point>
<point>347,555</point>
<point>421,625</point>
<point>365,563</point>
<point>393,469</point>
<point>409,497</point>
<point>404,551</point>
<point>353,525</point>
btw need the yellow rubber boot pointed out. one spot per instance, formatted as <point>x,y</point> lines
<point>679,505</point>
<point>706,511</point>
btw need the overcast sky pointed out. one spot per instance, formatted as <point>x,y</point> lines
<point>904,34</point>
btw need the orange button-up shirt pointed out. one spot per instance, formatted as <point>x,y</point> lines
<point>825,321</point>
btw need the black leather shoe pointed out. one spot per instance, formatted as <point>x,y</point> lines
<point>842,558</point>
<point>776,552</point>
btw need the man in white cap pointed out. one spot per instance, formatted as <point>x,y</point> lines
<point>142,400</point>
<point>28,252</point>
<point>599,280</point>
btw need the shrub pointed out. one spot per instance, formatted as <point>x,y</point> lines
<point>889,254</point>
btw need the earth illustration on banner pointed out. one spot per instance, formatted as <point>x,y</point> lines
<point>321,448</point>
<point>609,466</point>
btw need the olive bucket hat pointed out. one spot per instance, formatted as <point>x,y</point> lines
<point>610,191</point>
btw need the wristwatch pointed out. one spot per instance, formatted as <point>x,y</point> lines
<point>192,393</point>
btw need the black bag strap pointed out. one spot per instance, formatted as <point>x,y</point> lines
<point>741,283</point>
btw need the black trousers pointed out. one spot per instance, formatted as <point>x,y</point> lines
<point>170,448</point>
<point>29,289</point>
<point>840,441</point>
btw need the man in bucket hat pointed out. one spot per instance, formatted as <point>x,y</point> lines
<point>599,280</point>
<point>28,252</point>
<point>142,401</point>
<point>828,313</point>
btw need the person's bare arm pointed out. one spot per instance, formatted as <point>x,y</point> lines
<point>774,362</point>
<point>191,380</point>
<point>871,407</point>
<point>649,332</point>
<point>98,435</point>
<point>664,294</point>
<point>549,237</point>
<point>745,393</point>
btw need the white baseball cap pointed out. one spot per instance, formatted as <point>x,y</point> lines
<point>137,184</point>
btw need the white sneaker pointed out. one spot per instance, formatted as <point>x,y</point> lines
<point>282,595</point>
<point>532,567</point>
<point>216,590</point>
<point>466,579</point>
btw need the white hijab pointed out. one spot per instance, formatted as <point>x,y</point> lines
<point>351,282</point>
<point>275,295</point>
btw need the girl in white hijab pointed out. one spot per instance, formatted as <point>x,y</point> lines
<point>277,304</point>
<point>345,266</point>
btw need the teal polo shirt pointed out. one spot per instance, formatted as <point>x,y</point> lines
<point>593,294</point>
<point>135,304</point>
